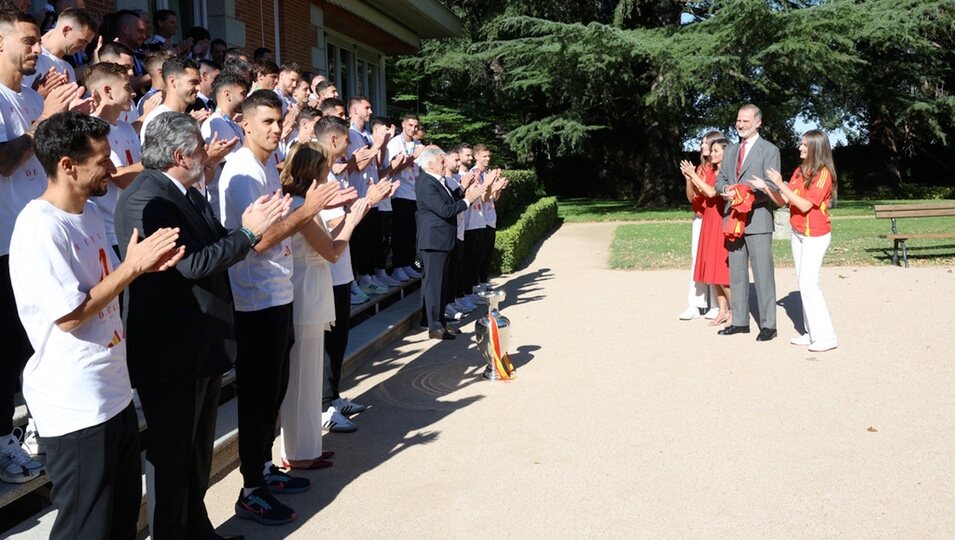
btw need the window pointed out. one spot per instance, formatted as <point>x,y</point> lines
<point>356,72</point>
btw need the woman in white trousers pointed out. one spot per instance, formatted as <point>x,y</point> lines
<point>808,194</point>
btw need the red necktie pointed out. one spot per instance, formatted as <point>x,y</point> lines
<point>739,159</point>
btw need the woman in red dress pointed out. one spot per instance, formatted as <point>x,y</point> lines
<point>712,259</point>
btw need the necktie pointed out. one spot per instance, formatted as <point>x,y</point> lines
<point>739,159</point>
<point>194,197</point>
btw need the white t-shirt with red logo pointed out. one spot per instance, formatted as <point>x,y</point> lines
<point>124,150</point>
<point>18,111</point>
<point>78,379</point>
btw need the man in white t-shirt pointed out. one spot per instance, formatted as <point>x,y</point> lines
<point>21,180</point>
<point>289,75</point>
<point>110,84</point>
<point>459,305</point>
<point>228,93</point>
<point>365,154</point>
<point>402,151</point>
<point>77,383</point>
<point>263,293</point>
<point>495,183</point>
<point>181,77</point>
<point>74,30</point>
<point>117,53</point>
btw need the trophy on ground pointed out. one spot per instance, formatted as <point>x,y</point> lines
<point>493,335</point>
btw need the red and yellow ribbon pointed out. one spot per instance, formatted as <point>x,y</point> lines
<point>502,362</point>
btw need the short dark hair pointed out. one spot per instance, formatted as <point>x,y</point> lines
<point>177,66</point>
<point>197,33</point>
<point>410,116</point>
<point>327,125</point>
<point>226,79</point>
<point>11,17</point>
<point>67,134</point>
<point>324,85</point>
<point>80,17</point>
<point>307,113</point>
<point>208,62</point>
<point>291,66</point>
<point>234,52</point>
<point>161,15</point>
<point>156,59</point>
<point>117,49</point>
<point>264,68</point>
<point>354,100</point>
<point>379,121</point>
<point>261,98</point>
<point>329,104</point>
<point>260,53</point>
<point>104,71</point>
<point>217,41</point>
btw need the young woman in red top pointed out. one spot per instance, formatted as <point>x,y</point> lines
<point>808,194</point>
<point>712,263</point>
<point>698,291</point>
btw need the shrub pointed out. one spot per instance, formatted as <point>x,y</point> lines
<point>514,243</point>
<point>523,190</point>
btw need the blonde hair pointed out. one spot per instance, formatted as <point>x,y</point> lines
<point>306,162</point>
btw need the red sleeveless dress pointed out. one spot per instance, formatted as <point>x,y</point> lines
<point>712,259</point>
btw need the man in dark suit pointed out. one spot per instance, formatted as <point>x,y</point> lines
<point>179,324</point>
<point>438,207</point>
<point>752,156</point>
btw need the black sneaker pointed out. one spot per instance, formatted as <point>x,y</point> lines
<point>279,482</point>
<point>262,506</point>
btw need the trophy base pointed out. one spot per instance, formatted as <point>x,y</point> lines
<point>491,374</point>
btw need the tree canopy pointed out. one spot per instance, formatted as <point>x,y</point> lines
<point>599,96</point>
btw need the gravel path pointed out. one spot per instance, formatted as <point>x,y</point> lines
<point>627,423</point>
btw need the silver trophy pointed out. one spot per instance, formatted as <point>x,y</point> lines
<point>493,335</point>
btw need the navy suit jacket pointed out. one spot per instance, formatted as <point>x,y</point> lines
<point>437,213</point>
<point>179,323</point>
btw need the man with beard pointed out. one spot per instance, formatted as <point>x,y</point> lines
<point>73,32</point>
<point>179,379</point>
<point>77,384</point>
<point>181,78</point>
<point>21,180</point>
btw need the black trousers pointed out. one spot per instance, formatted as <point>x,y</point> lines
<point>475,245</point>
<point>384,239</point>
<point>181,416</point>
<point>264,340</point>
<point>16,348</point>
<point>403,233</point>
<point>490,234</point>
<point>97,480</point>
<point>435,271</point>
<point>336,341</point>
<point>453,282</point>
<point>365,243</point>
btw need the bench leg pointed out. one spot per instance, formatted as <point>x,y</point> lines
<point>905,255</point>
<point>895,253</point>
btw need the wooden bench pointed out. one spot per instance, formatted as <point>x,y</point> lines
<point>899,211</point>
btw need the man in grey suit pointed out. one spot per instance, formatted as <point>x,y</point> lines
<point>753,156</point>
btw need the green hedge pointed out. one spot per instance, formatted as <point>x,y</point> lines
<point>514,243</point>
<point>523,190</point>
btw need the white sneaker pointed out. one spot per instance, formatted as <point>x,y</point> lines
<point>336,422</point>
<point>690,313</point>
<point>16,466</point>
<point>356,291</point>
<point>371,287</point>
<point>452,314</point>
<point>802,341</point>
<point>358,300</point>
<point>386,280</point>
<point>400,275</point>
<point>823,345</point>
<point>377,283</point>
<point>347,407</point>
<point>712,314</point>
<point>411,272</point>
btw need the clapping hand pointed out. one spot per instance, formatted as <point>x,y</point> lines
<point>338,168</point>
<point>152,102</point>
<point>357,211</point>
<point>475,191</point>
<point>319,196</point>
<point>467,179</point>
<point>288,124</point>
<point>216,150</point>
<point>729,194</point>
<point>499,184</point>
<point>774,176</point>
<point>265,212</point>
<point>378,192</point>
<point>343,197</point>
<point>60,98</point>
<point>48,81</point>
<point>757,183</point>
<point>156,253</point>
<point>687,168</point>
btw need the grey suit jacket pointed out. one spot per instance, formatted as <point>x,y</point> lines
<point>763,156</point>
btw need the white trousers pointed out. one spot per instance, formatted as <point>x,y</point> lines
<point>696,295</point>
<point>808,252</point>
<point>302,408</point>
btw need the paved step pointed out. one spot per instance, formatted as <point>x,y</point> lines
<point>364,341</point>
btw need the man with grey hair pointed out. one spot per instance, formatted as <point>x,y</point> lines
<point>437,209</point>
<point>181,337</point>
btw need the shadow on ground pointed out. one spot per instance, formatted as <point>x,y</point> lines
<point>416,393</point>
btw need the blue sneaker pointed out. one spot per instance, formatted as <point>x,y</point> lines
<point>263,507</point>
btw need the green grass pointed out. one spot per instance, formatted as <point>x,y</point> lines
<point>855,241</point>
<point>588,210</point>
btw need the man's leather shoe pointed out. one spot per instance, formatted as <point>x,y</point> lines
<point>440,334</point>
<point>730,330</point>
<point>766,334</point>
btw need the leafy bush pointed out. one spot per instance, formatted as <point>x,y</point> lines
<point>514,243</point>
<point>523,190</point>
<point>915,191</point>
